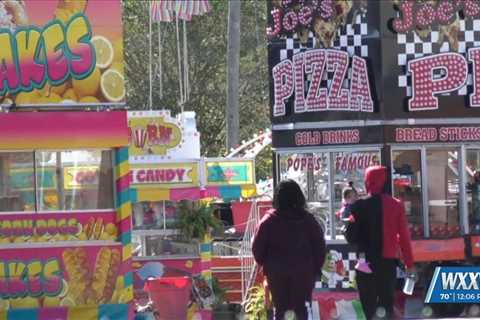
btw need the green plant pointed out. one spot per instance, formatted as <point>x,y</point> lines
<point>219,293</point>
<point>255,308</point>
<point>197,219</point>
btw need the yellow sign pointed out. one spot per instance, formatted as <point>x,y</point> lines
<point>80,177</point>
<point>153,135</point>
<point>61,53</point>
<point>178,174</point>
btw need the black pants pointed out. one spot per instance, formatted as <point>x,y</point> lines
<point>290,292</point>
<point>377,289</point>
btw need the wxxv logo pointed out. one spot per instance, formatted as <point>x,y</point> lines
<point>454,285</point>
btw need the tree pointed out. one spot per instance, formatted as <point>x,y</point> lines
<point>207,48</point>
<point>233,65</point>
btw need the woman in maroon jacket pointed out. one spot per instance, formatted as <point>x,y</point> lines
<point>290,246</point>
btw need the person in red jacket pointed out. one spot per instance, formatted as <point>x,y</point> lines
<point>289,245</point>
<point>384,240</point>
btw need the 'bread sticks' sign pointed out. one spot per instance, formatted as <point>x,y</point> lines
<point>315,95</point>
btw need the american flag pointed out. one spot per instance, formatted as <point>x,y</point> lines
<point>166,10</point>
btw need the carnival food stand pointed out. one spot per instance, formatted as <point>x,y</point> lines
<point>357,83</point>
<point>166,169</point>
<point>65,213</point>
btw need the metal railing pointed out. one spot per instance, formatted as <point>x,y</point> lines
<point>226,248</point>
<point>249,267</point>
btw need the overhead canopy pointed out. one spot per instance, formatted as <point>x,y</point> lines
<point>63,130</point>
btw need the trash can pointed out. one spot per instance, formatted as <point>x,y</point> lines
<point>170,296</point>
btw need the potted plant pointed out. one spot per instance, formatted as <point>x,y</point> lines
<point>222,310</point>
<point>197,220</point>
<point>255,306</point>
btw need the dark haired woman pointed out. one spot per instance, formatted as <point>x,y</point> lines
<point>290,246</point>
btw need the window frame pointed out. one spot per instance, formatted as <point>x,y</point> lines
<point>333,237</point>
<point>462,207</point>
<point>36,210</point>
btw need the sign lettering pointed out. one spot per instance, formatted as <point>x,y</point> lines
<point>310,138</point>
<point>352,162</point>
<point>422,14</point>
<point>155,176</point>
<point>440,134</point>
<point>67,51</point>
<point>288,79</point>
<point>30,278</point>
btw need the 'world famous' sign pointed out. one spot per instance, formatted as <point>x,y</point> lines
<point>345,90</point>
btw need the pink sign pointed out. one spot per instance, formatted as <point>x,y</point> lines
<point>62,276</point>
<point>39,227</point>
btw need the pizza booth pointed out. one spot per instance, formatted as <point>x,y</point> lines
<point>380,91</point>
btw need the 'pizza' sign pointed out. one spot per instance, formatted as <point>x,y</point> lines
<point>289,79</point>
<point>442,73</point>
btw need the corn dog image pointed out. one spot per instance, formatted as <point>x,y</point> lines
<point>75,261</point>
<point>100,275</point>
<point>89,227</point>
<point>115,262</point>
<point>97,229</point>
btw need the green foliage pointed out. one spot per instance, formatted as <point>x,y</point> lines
<point>207,48</point>
<point>255,305</point>
<point>197,220</point>
<point>219,293</point>
<point>263,164</point>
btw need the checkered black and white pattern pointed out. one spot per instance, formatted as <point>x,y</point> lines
<point>411,46</point>
<point>350,38</point>
<point>349,260</point>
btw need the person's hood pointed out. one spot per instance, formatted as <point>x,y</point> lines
<point>375,179</point>
<point>290,214</point>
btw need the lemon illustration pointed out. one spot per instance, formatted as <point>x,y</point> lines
<point>112,85</point>
<point>48,89</point>
<point>82,236</point>
<point>19,240</point>
<point>51,302</point>
<point>118,50</point>
<point>27,302</point>
<point>70,95</point>
<point>27,97</point>
<point>67,302</point>
<point>119,66</point>
<point>88,86</point>
<point>111,229</point>
<point>4,304</point>
<point>103,50</point>
<point>64,289</point>
<point>53,98</point>
<point>88,99</point>
<point>104,236</point>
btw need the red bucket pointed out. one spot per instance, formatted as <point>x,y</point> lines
<point>170,296</point>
